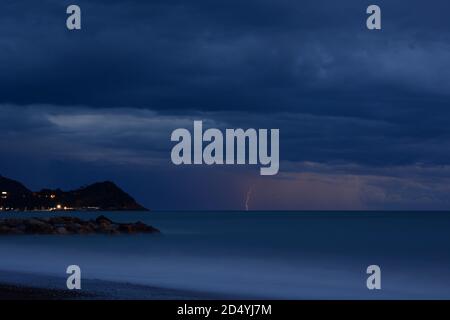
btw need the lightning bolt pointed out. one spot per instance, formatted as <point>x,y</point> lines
<point>247,199</point>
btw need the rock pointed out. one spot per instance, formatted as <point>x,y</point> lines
<point>105,228</point>
<point>5,230</point>
<point>64,220</point>
<point>71,225</point>
<point>61,230</point>
<point>12,222</point>
<point>36,226</point>
<point>142,227</point>
<point>126,228</point>
<point>35,221</point>
<point>16,231</point>
<point>56,220</point>
<point>103,219</point>
<point>137,227</point>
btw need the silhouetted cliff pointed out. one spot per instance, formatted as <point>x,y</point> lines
<point>98,196</point>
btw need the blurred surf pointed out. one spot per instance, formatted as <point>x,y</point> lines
<point>281,255</point>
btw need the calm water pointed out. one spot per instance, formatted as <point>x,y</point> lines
<point>255,255</point>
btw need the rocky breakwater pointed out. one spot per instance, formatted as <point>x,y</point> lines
<point>71,225</point>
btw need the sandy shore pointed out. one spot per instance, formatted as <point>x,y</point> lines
<point>14,292</point>
<point>19,292</point>
<point>28,286</point>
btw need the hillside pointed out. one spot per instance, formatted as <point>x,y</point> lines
<point>98,196</point>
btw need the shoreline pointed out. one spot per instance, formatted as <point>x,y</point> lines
<point>30,286</point>
<point>17,292</point>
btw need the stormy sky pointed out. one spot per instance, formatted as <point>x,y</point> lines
<point>364,116</point>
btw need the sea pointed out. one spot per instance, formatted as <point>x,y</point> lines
<point>242,255</point>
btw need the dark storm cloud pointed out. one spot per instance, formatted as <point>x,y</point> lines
<point>353,101</point>
<point>70,146</point>
<point>263,56</point>
<point>303,57</point>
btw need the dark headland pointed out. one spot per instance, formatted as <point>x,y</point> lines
<point>105,196</point>
<point>14,196</point>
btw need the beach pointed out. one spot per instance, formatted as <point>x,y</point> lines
<point>238,255</point>
<point>13,292</point>
<point>27,286</point>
